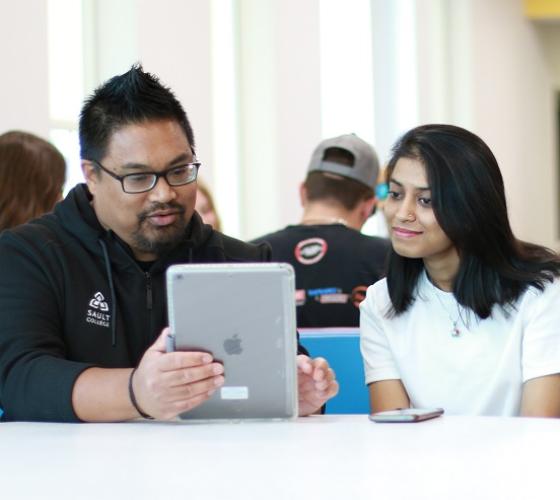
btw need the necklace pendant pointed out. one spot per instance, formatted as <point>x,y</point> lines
<point>455,332</point>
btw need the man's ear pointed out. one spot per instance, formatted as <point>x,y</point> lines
<point>91,175</point>
<point>367,208</point>
<point>302,194</point>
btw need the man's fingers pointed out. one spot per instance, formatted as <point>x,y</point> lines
<point>327,386</point>
<point>315,397</point>
<point>323,378</point>
<point>181,398</point>
<point>187,405</point>
<point>189,391</point>
<point>316,385</point>
<point>304,363</point>
<point>320,369</point>
<point>317,367</point>
<point>175,378</point>
<point>180,359</point>
<point>333,390</point>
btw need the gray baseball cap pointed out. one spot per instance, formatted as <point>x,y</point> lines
<point>365,168</point>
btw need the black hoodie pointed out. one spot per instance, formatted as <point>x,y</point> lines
<point>72,296</point>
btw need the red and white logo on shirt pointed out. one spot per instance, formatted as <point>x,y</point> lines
<point>310,251</point>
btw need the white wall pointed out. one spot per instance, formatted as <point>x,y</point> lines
<point>23,67</point>
<point>174,43</point>
<point>513,110</point>
<point>112,39</point>
<point>279,107</point>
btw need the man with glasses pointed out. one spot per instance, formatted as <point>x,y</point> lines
<point>82,294</point>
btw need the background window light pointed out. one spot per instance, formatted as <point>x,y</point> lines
<point>346,68</point>
<point>66,81</point>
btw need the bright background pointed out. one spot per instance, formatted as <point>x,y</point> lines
<point>263,81</point>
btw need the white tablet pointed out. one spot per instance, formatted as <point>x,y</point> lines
<point>244,315</point>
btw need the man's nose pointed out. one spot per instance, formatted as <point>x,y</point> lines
<point>162,191</point>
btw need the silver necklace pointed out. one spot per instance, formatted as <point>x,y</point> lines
<point>455,331</point>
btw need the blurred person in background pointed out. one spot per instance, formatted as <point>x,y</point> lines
<point>32,174</point>
<point>205,206</point>
<point>333,261</point>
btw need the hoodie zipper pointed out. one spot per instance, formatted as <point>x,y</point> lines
<point>149,298</point>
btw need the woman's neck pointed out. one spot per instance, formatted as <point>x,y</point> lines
<point>442,271</point>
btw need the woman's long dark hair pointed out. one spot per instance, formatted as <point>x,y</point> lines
<point>470,206</point>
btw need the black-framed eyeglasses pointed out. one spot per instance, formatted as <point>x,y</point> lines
<point>142,182</point>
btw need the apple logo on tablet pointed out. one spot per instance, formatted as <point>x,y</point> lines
<point>233,345</point>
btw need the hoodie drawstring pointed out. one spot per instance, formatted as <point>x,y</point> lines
<point>112,290</point>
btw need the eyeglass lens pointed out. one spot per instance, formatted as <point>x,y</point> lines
<point>137,183</point>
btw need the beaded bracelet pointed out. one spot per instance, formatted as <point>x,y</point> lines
<point>133,398</point>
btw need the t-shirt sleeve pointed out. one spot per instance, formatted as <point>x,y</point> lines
<point>379,363</point>
<point>541,334</point>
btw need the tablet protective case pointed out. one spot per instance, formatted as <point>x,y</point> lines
<point>244,315</point>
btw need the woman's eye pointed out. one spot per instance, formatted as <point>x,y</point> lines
<point>425,202</point>
<point>394,195</point>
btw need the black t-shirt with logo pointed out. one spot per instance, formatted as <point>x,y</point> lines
<point>334,265</point>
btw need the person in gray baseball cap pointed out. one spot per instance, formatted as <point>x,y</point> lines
<point>347,156</point>
<point>334,262</point>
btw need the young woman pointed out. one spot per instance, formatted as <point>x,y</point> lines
<point>468,318</point>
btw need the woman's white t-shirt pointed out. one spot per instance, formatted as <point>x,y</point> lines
<point>481,371</point>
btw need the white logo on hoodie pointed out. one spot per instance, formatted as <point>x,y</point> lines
<point>97,314</point>
<point>98,302</point>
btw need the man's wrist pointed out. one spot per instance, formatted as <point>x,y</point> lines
<point>132,397</point>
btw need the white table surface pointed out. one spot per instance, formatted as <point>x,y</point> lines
<point>323,457</point>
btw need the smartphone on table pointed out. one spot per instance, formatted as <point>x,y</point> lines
<point>406,415</point>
